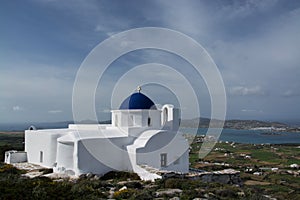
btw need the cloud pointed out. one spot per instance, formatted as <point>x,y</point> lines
<point>254,43</point>
<point>106,110</point>
<point>245,91</point>
<point>99,16</point>
<point>247,8</point>
<point>39,88</point>
<point>290,93</point>
<point>17,108</point>
<point>55,111</point>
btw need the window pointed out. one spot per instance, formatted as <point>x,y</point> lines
<point>163,160</point>
<point>41,156</point>
<point>149,121</point>
<point>165,116</point>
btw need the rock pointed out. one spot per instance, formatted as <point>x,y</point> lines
<point>111,192</point>
<point>33,174</point>
<point>96,177</point>
<point>123,188</point>
<point>224,178</point>
<point>168,192</point>
<point>241,194</point>
<point>295,166</point>
<point>89,175</point>
<point>82,176</point>
<point>58,180</point>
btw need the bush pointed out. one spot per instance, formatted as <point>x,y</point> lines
<point>143,195</point>
<point>120,176</point>
<point>191,194</point>
<point>183,184</point>
<point>9,169</point>
<point>124,194</point>
<point>134,184</point>
<point>228,193</point>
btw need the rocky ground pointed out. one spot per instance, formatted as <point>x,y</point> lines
<point>265,172</point>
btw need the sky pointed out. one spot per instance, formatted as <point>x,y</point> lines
<point>255,45</point>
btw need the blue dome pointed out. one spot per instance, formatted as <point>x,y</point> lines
<point>137,101</point>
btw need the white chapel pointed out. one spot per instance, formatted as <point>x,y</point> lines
<point>140,134</point>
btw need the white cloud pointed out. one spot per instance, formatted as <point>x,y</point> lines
<point>244,91</point>
<point>17,108</point>
<point>39,88</point>
<point>290,93</point>
<point>106,110</point>
<point>246,8</point>
<point>55,111</point>
<point>255,44</point>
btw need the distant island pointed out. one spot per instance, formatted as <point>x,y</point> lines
<point>239,124</point>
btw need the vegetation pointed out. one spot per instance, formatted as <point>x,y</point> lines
<point>11,141</point>
<point>264,168</point>
<point>283,183</point>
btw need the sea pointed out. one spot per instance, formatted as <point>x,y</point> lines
<point>250,136</point>
<point>230,135</point>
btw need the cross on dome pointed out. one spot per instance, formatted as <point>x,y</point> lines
<point>139,89</point>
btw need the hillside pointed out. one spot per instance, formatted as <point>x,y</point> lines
<point>232,124</point>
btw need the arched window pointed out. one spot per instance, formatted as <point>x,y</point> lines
<point>165,116</point>
<point>31,128</point>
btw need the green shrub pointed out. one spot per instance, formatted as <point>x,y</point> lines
<point>134,184</point>
<point>121,176</point>
<point>9,169</point>
<point>191,194</point>
<point>124,194</point>
<point>227,193</point>
<point>183,183</point>
<point>143,195</point>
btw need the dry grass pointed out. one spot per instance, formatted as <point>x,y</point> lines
<point>251,182</point>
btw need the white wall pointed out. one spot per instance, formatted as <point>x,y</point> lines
<point>65,157</point>
<point>136,118</point>
<point>37,141</point>
<point>158,144</point>
<point>170,117</point>
<point>15,157</point>
<point>88,127</point>
<point>107,155</point>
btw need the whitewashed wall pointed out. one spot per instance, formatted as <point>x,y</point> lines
<point>15,157</point>
<point>158,144</point>
<point>108,154</point>
<point>37,141</point>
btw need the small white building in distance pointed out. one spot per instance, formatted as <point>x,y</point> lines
<point>140,135</point>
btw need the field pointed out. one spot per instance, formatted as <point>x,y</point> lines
<point>265,172</point>
<point>266,167</point>
<point>11,141</point>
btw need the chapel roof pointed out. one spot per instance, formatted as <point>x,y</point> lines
<point>137,101</point>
